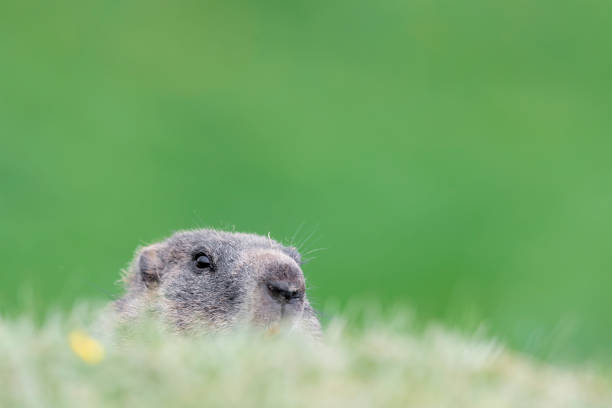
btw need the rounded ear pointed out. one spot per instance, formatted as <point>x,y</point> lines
<point>150,264</point>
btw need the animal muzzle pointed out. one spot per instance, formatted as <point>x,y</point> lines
<point>284,281</point>
<point>281,289</point>
<point>285,291</point>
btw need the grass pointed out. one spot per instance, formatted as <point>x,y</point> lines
<point>387,363</point>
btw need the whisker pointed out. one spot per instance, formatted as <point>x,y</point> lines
<point>294,236</point>
<point>308,238</point>
<point>314,250</point>
<point>307,260</point>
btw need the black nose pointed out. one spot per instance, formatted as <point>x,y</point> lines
<point>284,292</point>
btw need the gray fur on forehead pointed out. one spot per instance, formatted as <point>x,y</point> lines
<point>223,244</point>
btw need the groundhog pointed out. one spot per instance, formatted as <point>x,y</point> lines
<point>215,280</point>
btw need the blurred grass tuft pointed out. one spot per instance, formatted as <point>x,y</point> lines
<point>384,364</point>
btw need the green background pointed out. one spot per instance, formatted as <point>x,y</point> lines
<point>451,156</point>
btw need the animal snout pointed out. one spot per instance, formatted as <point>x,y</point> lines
<point>284,281</point>
<point>284,291</point>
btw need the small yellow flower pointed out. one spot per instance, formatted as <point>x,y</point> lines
<point>88,349</point>
<point>272,331</point>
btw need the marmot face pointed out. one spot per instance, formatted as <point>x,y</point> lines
<point>215,280</point>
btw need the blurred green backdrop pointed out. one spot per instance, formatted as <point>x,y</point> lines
<point>452,156</point>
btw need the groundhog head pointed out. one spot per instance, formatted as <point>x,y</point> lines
<point>216,280</point>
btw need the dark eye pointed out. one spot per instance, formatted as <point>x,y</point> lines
<point>202,261</point>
